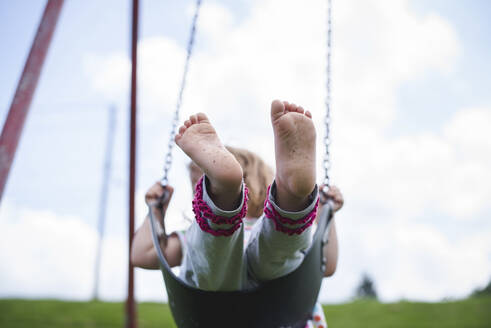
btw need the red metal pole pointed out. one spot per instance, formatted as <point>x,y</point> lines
<point>19,107</point>
<point>130,301</point>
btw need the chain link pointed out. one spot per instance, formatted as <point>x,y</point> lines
<point>175,120</point>
<point>327,119</point>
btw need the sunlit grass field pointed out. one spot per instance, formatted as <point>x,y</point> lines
<point>473,312</point>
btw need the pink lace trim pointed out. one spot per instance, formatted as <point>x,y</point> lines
<point>203,213</point>
<point>279,221</point>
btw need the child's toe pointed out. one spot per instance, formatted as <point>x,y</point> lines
<point>201,117</point>
<point>277,109</point>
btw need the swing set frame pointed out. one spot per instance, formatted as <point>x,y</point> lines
<point>19,109</point>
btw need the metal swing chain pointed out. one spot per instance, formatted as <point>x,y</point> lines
<point>175,120</point>
<point>327,119</point>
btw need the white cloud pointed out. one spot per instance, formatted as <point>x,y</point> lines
<point>214,20</point>
<point>49,255</point>
<point>422,263</point>
<point>110,75</point>
<point>412,261</point>
<point>469,130</point>
<point>411,174</point>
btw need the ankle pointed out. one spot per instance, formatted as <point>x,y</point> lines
<point>288,221</point>
<point>226,196</point>
<point>213,219</point>
<point>291,197</point>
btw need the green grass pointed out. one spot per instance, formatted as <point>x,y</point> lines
<point>469,313</point>
<point>473,312</point>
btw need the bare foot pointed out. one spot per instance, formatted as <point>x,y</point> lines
<point>199,140</point>
<point>294,134</point>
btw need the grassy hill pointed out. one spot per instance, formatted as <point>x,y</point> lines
<point>469,313</point>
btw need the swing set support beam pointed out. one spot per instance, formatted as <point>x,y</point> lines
<point>131,321</point>
<point>19,108</point>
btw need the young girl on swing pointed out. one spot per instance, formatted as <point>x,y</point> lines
<point>230,245</point>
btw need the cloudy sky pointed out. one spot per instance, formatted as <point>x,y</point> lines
<point>410,128</point>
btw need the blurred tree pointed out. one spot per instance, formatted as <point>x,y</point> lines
<point>366,289</point>
<point>486,291</point>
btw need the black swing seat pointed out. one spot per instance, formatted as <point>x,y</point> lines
<point>283,302</point>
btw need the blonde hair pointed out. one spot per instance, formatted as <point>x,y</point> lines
<point>257,176</point>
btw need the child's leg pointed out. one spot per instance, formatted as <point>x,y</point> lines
<point>214,243</point>
<point>284,232</point>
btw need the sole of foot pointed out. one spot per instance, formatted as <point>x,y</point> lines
<point>199,140</point>
<point>295,139</point>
